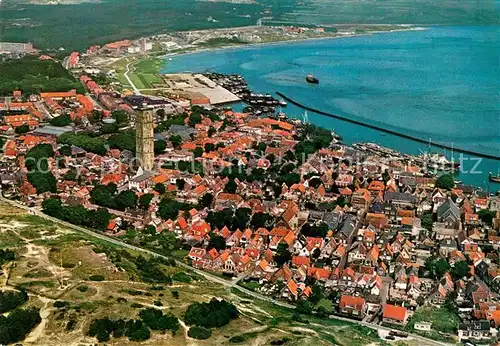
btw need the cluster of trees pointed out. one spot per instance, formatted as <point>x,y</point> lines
<point>239,219</point>
<point>87,143</point>
<point>135,330</point>
<point>199,333</point>
<point>156,320</point>
<point>123,141</point>
<point>169,208</point>
<point>77,214</point>
<point>486,216</point>
<point>150,270</point>
<point>312,139</point>
<point>445,181</point>
<point>103,328</point>
<point>121,117</point>
<point>175,120</point>
<point>36,161</point>
<point>282,255</point>
<point>107,196</point>
<point>61,120</point>
<point>439,266</point>
<point>214,314</point>
<point>7,256</point>
<point>17,325</point>
<point>33,76</point>
<point>22,129</point>
<point>9,300</point>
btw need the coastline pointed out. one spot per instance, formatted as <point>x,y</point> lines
<point>292,41</point>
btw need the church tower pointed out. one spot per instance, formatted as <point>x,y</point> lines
<point>144,141</point>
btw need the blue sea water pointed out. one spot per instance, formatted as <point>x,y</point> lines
<point>440,84</point>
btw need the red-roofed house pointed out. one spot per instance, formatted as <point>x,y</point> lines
<point>352,306</point>
<point>394,314</point>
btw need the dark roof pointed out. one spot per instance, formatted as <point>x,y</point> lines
<point>398,196</point>
<point>450,206</point>
<point>482,325</point>
<point>348,226</point>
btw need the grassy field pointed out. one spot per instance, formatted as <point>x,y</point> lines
<point>55,264</point>
<point>81,25</point>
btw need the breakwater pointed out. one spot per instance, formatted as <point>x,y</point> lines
<point>384,130</point>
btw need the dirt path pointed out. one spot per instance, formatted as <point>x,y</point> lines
<point>189,341</point>
<point>44,314</point>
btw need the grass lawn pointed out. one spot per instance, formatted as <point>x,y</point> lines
<point>251,285</point>
<point>442,320</point>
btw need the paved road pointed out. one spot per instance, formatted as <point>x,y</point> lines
<point>208,276</point>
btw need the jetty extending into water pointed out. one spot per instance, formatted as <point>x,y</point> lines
<point>391,132</point>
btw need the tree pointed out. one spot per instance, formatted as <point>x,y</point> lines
<point>43,182</point>
<point>160,188</point>
<point>120,116</point>
<point>460,269</point>
<point>176,141</point>
<point>109,128</point>
<point>199,333</point>
<point>209,147</point>
<point>70,175</point>
<point>145,201</point>
<point>282,255</point>
<point>122,141</point>
<point>126,200</point>
<point>211,131</point>
<point>260,220</point>
<point>214,314</point>
<point>17,325</point>
<point>303,307</point>
<point>22,129</point>
<point>61,120</point>
<point>160,146</point>
<point>98,219</point>
<point>230,187</point>
<point>216,242</point>
<point>206,200</point>
<point>437,267</point>
<point>194,119</point>
<point>169,209</point>
<point>445,181</point>
<point>100,195</point>
<point>427,221</point>
<point>241,218</point>
<point>315,182</point>
<point>316,294</point>
<point>65,150</point>
<point>198,152</point>
<point>52,207</point>
<point>486,216</point>
<point>180,183</point>
<point>9,300</point>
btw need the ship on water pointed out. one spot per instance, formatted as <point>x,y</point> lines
<point>311,79</point>
<point>494,177</point>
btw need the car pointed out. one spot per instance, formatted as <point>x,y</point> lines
<point>390,337</point>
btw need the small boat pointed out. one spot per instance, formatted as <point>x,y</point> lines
<point>283,103</point>
<point>311,79</point>
<point>494,178</point>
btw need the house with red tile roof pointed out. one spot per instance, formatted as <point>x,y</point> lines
<point>352,306</point>
<point>393,314</point>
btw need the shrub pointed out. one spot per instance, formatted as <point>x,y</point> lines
<point>215,314</point>
<point>181,277</point>
<point>199,333</point>
<point>83,288</point>
<point>60,304</point>
<point>17,325</point>
<point>10,300</point>
<point>237,339</point>
<point>96,278</point>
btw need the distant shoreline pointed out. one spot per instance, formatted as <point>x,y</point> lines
<point>298,40</point>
